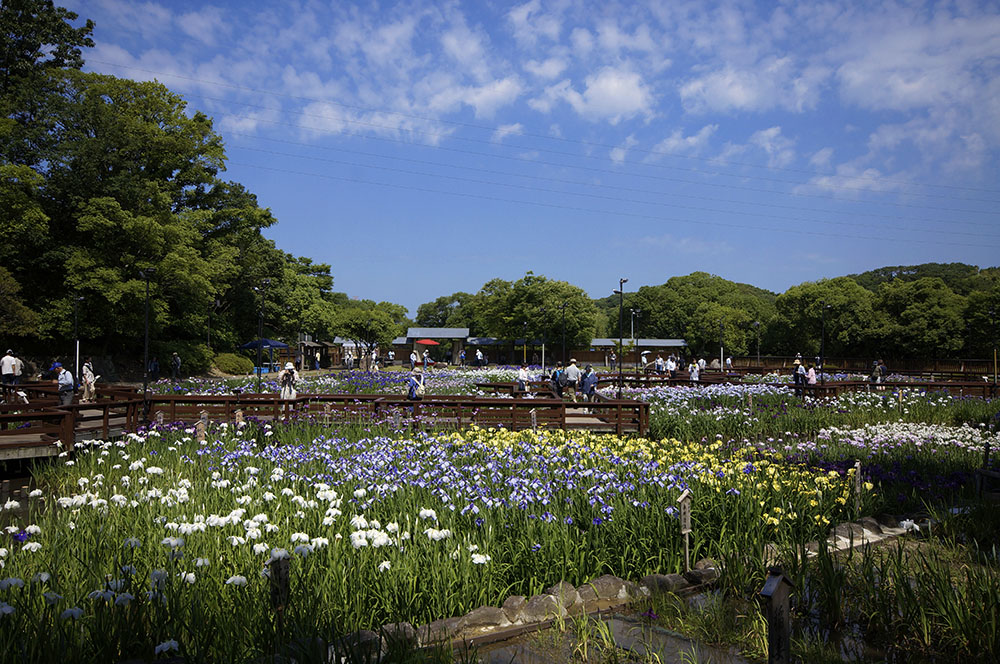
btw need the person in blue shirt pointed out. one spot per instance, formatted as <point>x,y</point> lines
<point>415,385</point>
<point>66,386</point>
<point>588,383</point>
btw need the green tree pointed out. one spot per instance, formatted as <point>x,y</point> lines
<point>852,321</point>
<point>445,311</point>
<point>367,327</point>
<point>923,318</point>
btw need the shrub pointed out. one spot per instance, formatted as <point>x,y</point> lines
<point>229,363</point>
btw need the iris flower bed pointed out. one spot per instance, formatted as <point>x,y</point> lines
<point>736,411</point>
<point>159,539</point>
<point>445,381</point>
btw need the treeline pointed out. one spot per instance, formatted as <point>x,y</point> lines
<point>105,181</point>
<point>108,186</point>
<point>932,310</point>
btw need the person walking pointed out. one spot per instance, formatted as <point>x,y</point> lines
<point>461,358</point>
<point>811,375</point>
<point>556,379</point>
<point>413,360</point>
<point>287,378</point>
<point>572,375</point>
<point>18,370</point>
<point>88,379</point>
<point>7,364</point>
<point>479,357</point>
<point>522,378</point>
<point>316,361</point>
<point>611,360</point>
<point>415,385</point>
<point>64,384</point>
<point>588,383</point>
<point>175,366</point>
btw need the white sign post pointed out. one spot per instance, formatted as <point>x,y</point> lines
<point>684,503</point>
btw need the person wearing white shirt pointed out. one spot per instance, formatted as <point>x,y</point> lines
<point>7,364</point>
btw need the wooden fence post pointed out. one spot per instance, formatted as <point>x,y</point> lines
<point>776,594</point>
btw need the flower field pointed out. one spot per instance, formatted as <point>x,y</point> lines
<point>446,381</point>
<point>159,541</point>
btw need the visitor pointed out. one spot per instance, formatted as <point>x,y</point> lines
<point>415,385</point>
<point>556,380</point>
<point>287,378</point>
<point>588,383</point>
<point>797,377</point>
<point>658,364</point>
<point>672,366</point>
<point>175,366</point>
<point>7,364</point>
<point>701,364</point>
<point>612,359</point>
<point>729,364</point>
<point>479,357</point>
<point>153,369</point>
<point>572,381</point>
<point>64,383</point>
<point>413,360</point>
<point>87,374</point>
<point>391,357</point>
<point>811,375</point>
<point>316,361</point>
<point>18,370</point>
<point>427,357</point>
<point>694,372</point>
<point>461,358</point>
<point>522,378</point>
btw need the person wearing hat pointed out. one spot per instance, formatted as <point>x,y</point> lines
<point>7,363</point>
<point>175,366</point>
<point>522,378</point>
<point>64,383</point>
<point>415,385</point>
<point>588,383</point>
<point>798,376</point>
<point>573,374</point>
<point>287,378</point>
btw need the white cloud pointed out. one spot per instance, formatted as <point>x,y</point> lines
<point>678,143</point>
<point>206,25</point>
<point>617,154</point>
<point>582,40</point>
<point>821,158</point>
<point>612,38</point>
<point>530,23</point>
<point>611,95</point>
<point>547,69</point>
<point>485,99</point>
<point>504,131</point>
<point>467,49</point>
<point>771,83</point>
<point>780,149</point>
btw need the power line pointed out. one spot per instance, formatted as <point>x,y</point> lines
<point>662,178</point>
<point>588,144</point>
<point>494,183</point>
<point>601,185</point>
<point>613,213</point>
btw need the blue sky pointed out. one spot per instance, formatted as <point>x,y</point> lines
<point>423,148</point>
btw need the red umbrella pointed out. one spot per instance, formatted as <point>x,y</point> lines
<point>428,342</point>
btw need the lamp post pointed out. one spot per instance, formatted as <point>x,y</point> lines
<point>76,336</point>
<point>146,274</point>
<point>621,326</point>
<point>993,324</point>
<point>541,331</point>
<point>634,313</point>
<point>260,328</point>
<point>756,327</point>
<point>525,346</point>
<point>822,342</point>
<point>722,359</point>
<point>563,308</point>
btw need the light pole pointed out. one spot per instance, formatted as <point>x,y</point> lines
<point>260,328</point>
<point>525,346</point>
<point>541,331</point>
<point>993,324</point>
<point>146,274</point>
<point>722,359</point>
<point>76,336</point>
<point>822,342</point>
<point>634,313</point>
<point>621,339</point>
<point>563,307</point>
<point>756,327</point>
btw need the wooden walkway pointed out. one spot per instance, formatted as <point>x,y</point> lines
<point>43,428</point>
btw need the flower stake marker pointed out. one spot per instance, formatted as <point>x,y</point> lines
<point>776,592</point>
<point>326,413</point>
<point>239,416</point>
<point>397,422</point>
<point>279,584</point>
<point>857,487</point>
<point>199,431</point>
<point>684,502</point>
<point>534,420</point>
<point>159,418</point>
<point>203,416</point>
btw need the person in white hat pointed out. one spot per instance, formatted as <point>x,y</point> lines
<point>287,378</point>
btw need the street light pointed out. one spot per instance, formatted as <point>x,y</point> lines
<point>621,327</point>
<point>722,359</point>
<point>215,306</point>
<point>76,335</point>
<point>993,324</point>
<point>634,313</point>
<point>260,328</point>
<point>525,346</point>
<point>822,343</point>
<point>146,274</point>
<point>756,327</point>
<point>563,307</point>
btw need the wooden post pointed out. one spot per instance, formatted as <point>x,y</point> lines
<point>776,594</point>
<point>238,416</point>
<point>5,491</point>
<point>534,420</point>
<point>203,416</point>
<point>159,418</point>
<point>199,431</point>
<point>857,488</point>
<point>397,419</point>
<point>326,413</point>
<point>684,502</point>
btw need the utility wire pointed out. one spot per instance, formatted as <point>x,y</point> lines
<point>588,144</point>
